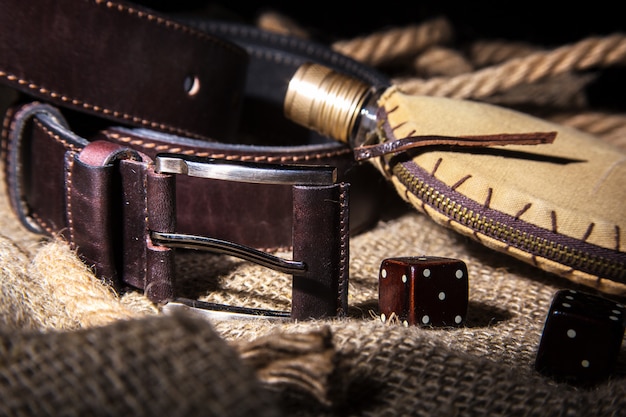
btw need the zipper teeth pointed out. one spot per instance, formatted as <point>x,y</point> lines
<point>511,236</point>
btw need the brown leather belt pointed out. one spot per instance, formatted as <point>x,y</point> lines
<point>110,117</point>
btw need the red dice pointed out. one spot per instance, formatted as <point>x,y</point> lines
<point>424,291</point>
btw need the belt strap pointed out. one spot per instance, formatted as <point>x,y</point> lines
<point>90,55</point>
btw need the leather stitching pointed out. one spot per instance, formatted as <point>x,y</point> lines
<point>169,24</point>
<point>69,164</point>
<point>92,107</point>
<point>72,151</point>
<point>128,140</point>
<point>6,128</point>
<point>146,226</point>
<point>344,247</point>
<point>57,138</point>
<point>42,223</point>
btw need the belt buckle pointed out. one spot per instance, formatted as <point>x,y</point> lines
<point>119,209</point>
<point>319,277</point>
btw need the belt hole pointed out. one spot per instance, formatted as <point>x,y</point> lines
<point>191,85</point>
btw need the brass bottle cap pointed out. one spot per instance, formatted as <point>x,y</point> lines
<point>323,100</point>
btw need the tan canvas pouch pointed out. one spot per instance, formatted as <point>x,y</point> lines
<point>558,206</point>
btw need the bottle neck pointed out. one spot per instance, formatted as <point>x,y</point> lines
<point>366,121</point>
<point>333,104</point>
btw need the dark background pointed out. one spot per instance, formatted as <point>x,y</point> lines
<point>546,22</point>
<point>542,23</point>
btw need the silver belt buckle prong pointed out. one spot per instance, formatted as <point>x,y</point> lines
<point>242,171</point>
<point>238,171</point>
<point>223,312</point>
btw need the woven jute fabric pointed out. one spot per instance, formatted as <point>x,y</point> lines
<point>151,367</point>
<point>69,345</point>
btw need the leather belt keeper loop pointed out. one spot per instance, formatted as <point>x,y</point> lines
<point>321,237</point>
<point>113,235</point>
<point>112,197</point>
<point>161,208</point>
<point>89,209</point>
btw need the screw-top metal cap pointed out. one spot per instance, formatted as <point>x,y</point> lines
<point>325,101</point>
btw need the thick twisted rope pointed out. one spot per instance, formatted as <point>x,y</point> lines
<point>279,23</point>
<point>591,52</point>
<point>397,43</point>
<point>484,53</point>
<point>441,61</point>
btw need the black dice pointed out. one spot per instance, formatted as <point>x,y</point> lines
<point>582,337</point>
<point>423,291</point>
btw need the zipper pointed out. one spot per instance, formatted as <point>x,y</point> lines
<point>536,241</point>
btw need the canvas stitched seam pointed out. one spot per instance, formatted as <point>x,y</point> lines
<point>562,249</point>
